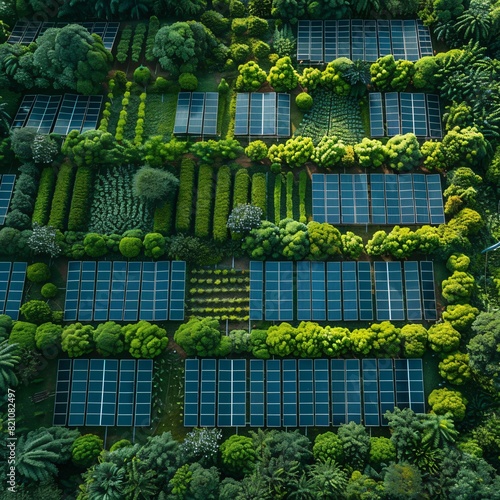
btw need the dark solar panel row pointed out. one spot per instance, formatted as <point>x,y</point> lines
<point>7,182</point>
<point>256,289</point>
<point>103,392</point>
<point>357,39</point>
<point>196,113</point>
<point>12,277</point>
<point>311,291</point>
<point>299,392</point>
<point>387,199</point>
<point>262,114</point>
<point>405,113</point>
<point>121,291</point>
<point>278,291</point>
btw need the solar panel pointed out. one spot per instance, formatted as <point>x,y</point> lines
<point>78,398</point>
<point>306,393</point>
<point>389,291</point>
<point>6,188</point>
<point>330,47</point>
<point>304,295</point>
<point>392,113</point>
<point>101,398</point>
<point>78,113</point>
<point>377,191</point>
<point>334,294</point>
<point>283,115</point>
<point>303,40</point>
<point>257,393</point>
<point>348,201</point>
<point>24,111</point>
<point>412,52</point>
<point>365,292</point>
<point>412,290</point>
<point>428,290</point>
<point>413,114</point>
<point>349,291</point>
<point>361,199</point>
<point>344,38</point>
<point>424,39</point>
<point>143,392</point>
<point>384,37</point>
<point>16,288</point>
<point>435,197</point>
<point>132,291</point>
<point>211,111</point>
<point>269,108</point>
<point>177,290</point>
<point>289,393</point>
<point>279,291</point>
<point>162,278</point>
<point>370,393</point>
<point>434,116</point>
<point>256,120</point>
<point>242,114</point>
<point>43,113</point>
<point>370,39</point>
<point>231,394</point>
<point>191,392</point>
<point>87,291</point>
<point>339,401</point>
<point>392,199</point>
<point>397,39</point>
<point>126,393</point>
<point>376,114</point>
<point>406,198</point>
<point>72,291</point>
<point>321,393</point>
<point>109,35</point>
<point>421,200</point>
<point>256,289</point>
<point>102,291</point>
<point>147,307</point>
<point>208,389</point>
<point>386,387</point>
<point>117,297</point>
<point>182,113</point>
<point>416,385</point>
<point>353,391</point>
<point>24,32</point>
<point>61,400</point>
<point>318,198</point>
<point>357,40</point>
<point>273,393</point>
<point>4,283</point>
<point>402,383</point>
<point>196,113</point>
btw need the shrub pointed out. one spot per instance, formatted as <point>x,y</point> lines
<point>86,450</point>
<point>153,27</point>
<point>204,202</point>
<point>154,245</point>
<point>23,334</point>
<point>304,101</point>
<point>48,335</point>
<point>62,197</point>
<point>153,185</point>
<point>215,22</point>
<point>124,44</point>
<point>222,204</point>
<point>142,75</point>
<point>239,52</point>
<point>145,340</point>
<point>130,247</point>
<point>185,198</point>
<point>38,272</point>
<point>251,77</point>
<point>76,340</point>
<point>261,49</point>
<point>259,191</point>
<point>44,197</point>
<point>82,197</point>
<point>241,187</point>
<point>188,81</point>
<point>163,218</point>
<point>49,291</point>
<point>108,338</point>
<point>256,150</point>
<point>283,77</point>
<point>36,311</point>
<point>161,84</point>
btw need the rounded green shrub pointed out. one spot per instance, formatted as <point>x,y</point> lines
<point>49,291</point>
<point>38,272</point>
<point>304,101</point>
<point>188,81</point>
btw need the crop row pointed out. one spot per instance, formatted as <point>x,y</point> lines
<point>62,197</point>
<point>210,291</point>
<point>44,196</point>
<point>80,203</point>
<point>163,218</point>
<point>222,204</point>
<point>259,195</point>
<point>204,202</point>
<point>219,281</point>
<point>218,310</point>
<point>218,300</point>
<point>219,271</point>
<point>241,187</point>
<point>185,198</point>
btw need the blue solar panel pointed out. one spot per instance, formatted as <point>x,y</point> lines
<point>290,393</point>
<point>306,393</point>
<point>147,308</point>
<point>377,189</point>
<point>196,113</point>
<point>424,39</point>
<point>402,383</point>
<point>283,115</point>
<point>389,291</point>
<point>257,393</point>
<point>126,393</point>
<point>371,393</point>
<point>182,113</point>
<point>397,39</point>
<point>103,387</point>
<point>273,393</point>
<point>357,40</point>
<point>208,389</point>
<point>78,398</point>
<point>63,383</point>
<point>428,290</point>
<point>361,199</point>
<point>376,114</point>
<point>318,198</point>
<point>384,37</point>
<point>406,199</point>
<point>412,52</point>
<point>162,277</point>
<point>392,114</point>
<point>4,283</point>
<point>421,200</point>
<point>365,292</point>
<point>132,291</point>
<point>348,199</point>
<point>6,188</point>
<point>304,294</point>
<point>353,390</point>
<point>72,291</point>
<point>16,288</point>
<point>102,291</point>
<point>349,291</point>
<point>334,294</point>
<point>191,392</point>
<point>279,291</point>
<point>370,40</point>
<point>143,392</point>
<point>87,291</point>
<point>177,290</point>
<point>78,112</point>
<point>339,402</point>
<point>117,298</point>
<point>416,385</point>
<point>242,114</point>
<point>326,199</point>
<point>330,46</point>
<point>256,289</point>
<point>386,387</point>
<point>434,116</point>
<point>392,199</point>
<point>435,197</point>
<point>412,289</point>
<point>321,393</point>
<point>231,409</point>
<point>344,38</point>
<point>211,112</point>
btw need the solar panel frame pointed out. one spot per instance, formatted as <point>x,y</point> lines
<point>208,389</point>
<point>269,109</point>
<point>24,32</point>
<point>428,290</point>
<point>392,114</point>
<point>16,289</point>
<point>24,111</point>
<point>290,403</point>
<point>357,40</point>
<point>338,391</point>
<point>334,291</point>
<point>422,215</point>
<point>241,122</point>
<point>78,398</point>
<point>397,39</point>
<point>347,199</point>
<point>304,292</point>
<point>344,38</point>
<point>77,112</point>
<point>389,291</point>
<point>102,390</point>
<point>353,390</point>
<point>148,289</point>
<point>365,292</point>
<point>87,291</point>
<point>72,290</point>
<point>273,393</point>
<point>434,116</point>
<point>332,198</point>
<point>61,398</point>
<point>117,296</point>
<point>371,409</point>
<point>412,52</point>
<point>279,291</point>
<point>303,40</point>
<point>256,303</point>
<point>143,393</point>
<point>191,392</point>
<point>361,204</point>
<point>330,40</point>
<point>132,291</point>
<point>196,111</point>
<point>406,201</point>
<point>5,269</point>
<point>321,393</point>
<point>316,42</point>
<point>306,392</point>
<point>376,114</point>
<point>256,118</point>
<point>182,113</point>
<point>210,113</point>
<point>236,416</point>
<point>102,290</point>
<point>283,115</point>
<point>402,383</point>
<point>416,385</point>
<point>377,194</point>
<point>177,291</point>
<point>435,197</point>
<point>392,199</point>
<point>386,388</point>
<point>6,189</point>
<point>163,277</point>
<point>384,37</point>
<point>318,198</point>
<point>43,113</point>
<point>412,291</point>
<point>370,40</point>
<point>350,291</point>
<point>126,393</point>
<point>257,393</point>
<point>424,39</point>
<point>318,291</point>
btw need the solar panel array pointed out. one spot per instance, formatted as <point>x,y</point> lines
<point>103,392</point>
<point>46,113</point>
<point>12,277</point>
<point>299,392</point>
<point>387,199</point>
<point>121,291</point>
<point>26,32</point>
<point>324,41</point>
<point>342,291</point>
<point>196,113</point>
<point>262,114</point>
<point>7,182</point>
<point>405,112</point>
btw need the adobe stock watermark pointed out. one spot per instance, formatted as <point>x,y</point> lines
<point>11,441</point>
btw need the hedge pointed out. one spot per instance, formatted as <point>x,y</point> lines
<point>138,41</point>
<point>289,195</point>
<point>44,196</point>
<point>163,218</point>
<point>302,196</point>
<point>185,198</point>
<point>259,191</point>
<point>222,204</point>
<point>277,199</point>
<point>62,197</point>
<point>153,28</point>
<point>204,202</point>
<point>241,185</point>
<point>124,44</point>
<point>80,202</point>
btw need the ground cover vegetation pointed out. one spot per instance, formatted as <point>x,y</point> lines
<point>130,190</point>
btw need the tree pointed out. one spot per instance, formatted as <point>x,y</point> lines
<point>329,152</point>
<point>333,76</point>
<point>443,338</point>
<point>139,481</point>
<point>251,77</point>
<point>370,153</point>
<point>23,334</point>
<point>439,431</point>
<point>108,339</point>
<point>310,78</point>
<point>458,287</point>
<point>356,444</point>
<point>461,316</point>
<point>9,358</point>
<point>327,480</point>
<point>281,339</point>
<point>403,481</point>
<point>154,245</point>
<point>352,245</point>
<point>49,291</point>
<point>22,140</point>
<point>48,335</point>
<point>95,245</point>
<point>464,147</point>
<point>262,241</point>
<point>238,455</point>
<point>458,262</point>
<point>382,451</point>
<point>154,186</point>
<point>104,480</point>
<point>328,448</point>
<point>390,75</point>
<point>324,240</point>
<point>77,340</point>
<point>443,401</point>
<point>36,311</point>
<point>256,150</point>
<point>43,240</point>
<point>304,101</point>
<point>403,152</point>
<point>86,450</point>
<point>282,76</point>
<point>142,76</point>
<point>298,150</point>
<point>414,340</point>
<point>130,247</point>
<point>144,340</point>
<point>294,242</point>
<point>199,336</point>
<point>44,149</point>
<point>38,272</point>
<point>388,341</point>
<point>425,73</point>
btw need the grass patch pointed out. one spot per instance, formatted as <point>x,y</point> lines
<point>160,115</point>
<point>132,108</point>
